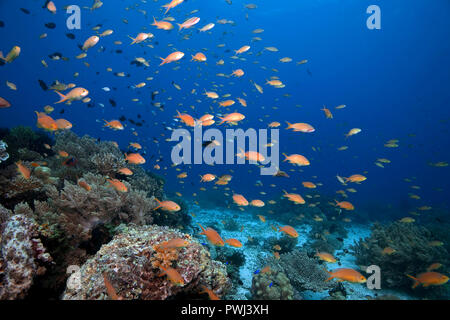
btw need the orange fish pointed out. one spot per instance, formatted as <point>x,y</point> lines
<point>141,37</point>
<point>226,103</point>
<point>172,244</point>
<point>90,42</point>
<point>186,119</point>
<point>429,279</point>
<point>84,185</point>
<point>200,57</point>
<point>294,197</point>
<point>276,255</point>
<point>135,145</point>
<point>300,127</point>
<point>167,205</point>
<point>134,158</point>
<point>297,159</point>
<point>251,155</point>
<point>208,177</point>
<point>325,256</point>
<point>125,171</point>
<point>164,25</point>
<point>4,103</point>
<point>174,56</point>
<point>242,49</point>
<point>173,275</point>
<point>232,117</point>
<point>172,4</point>
<point>51,7</point>
<point>46,122</point>
<point>274,124</point>
<point>63,124</point>
<point>242,102</point>
<point>290,231</point>
<point>110,289</point>
<point>257,203</point>
<point>328,113</point>
<point>240,200</point>
<point>211,294</point>
<point>188,23</point>
<point>212,236</point>
<point>118,185</point>
<point>114,124</point>
<point>357,178</point>
<point>345,205</point>
<point>262,218</point>
<point>24,171</point>
<point>238,73</point>
<point>346,274</point>
<point>74,95</point>
<point>309,185</point>
<point>63,154</point>
<point>234,243</point>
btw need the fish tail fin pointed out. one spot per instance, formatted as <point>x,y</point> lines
<point>134,40</point>
<point>223,120</point>
<point>159,204</point>
<point>163,61</point>
<point>107,124</point>
<point>331,275</point>
<point>63,97</point>
<point>154,22</point>
<point>284,154</point>
<point>167,6</point>
<point>289,125</point>
<point>2,57</point>
<point>416,283</point>
<point>180,26</point>
<point>203,229</point>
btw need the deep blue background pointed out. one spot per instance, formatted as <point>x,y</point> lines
<point>394,81</point>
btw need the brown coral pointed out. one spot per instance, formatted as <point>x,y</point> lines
<point>128,263</point>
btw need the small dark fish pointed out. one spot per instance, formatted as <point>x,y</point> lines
<point>50,25</point>
<point>70,36</point>
<point>281,174</point>
<point>43,85</point>
<point>139,116</point>
<point>26,11</point>
<point>2,24</point>
<point>119,51</point>
<point>113,103</point>
<point>132,121</point>
<point>340,239</point>
<point>70,162</point>
<point>122,118</point>
<point>62,111</point>
<point>207,143</point>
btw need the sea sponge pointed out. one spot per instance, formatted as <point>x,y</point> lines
<point>271,285</point>
<point>128,262</point>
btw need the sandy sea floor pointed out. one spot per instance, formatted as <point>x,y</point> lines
<point>253,255</point>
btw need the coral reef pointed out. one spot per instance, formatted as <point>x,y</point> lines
<point>129,262</point>
<point>412,253</point>
<point>285,242</point>
<point>22,255</point>
<point>303,272</point>
<point>271,285</point>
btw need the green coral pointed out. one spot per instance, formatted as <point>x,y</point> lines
<point>272,285</point>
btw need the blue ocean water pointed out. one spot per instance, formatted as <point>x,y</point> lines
<point>394,82</point>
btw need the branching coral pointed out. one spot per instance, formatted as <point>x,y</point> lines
<point>22,254</point>
<point>303,272</point>
<point>129,259</point>
<point>412,252</point>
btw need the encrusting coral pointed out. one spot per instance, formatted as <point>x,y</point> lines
<point>131,264</point>
<point>22,255</point>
